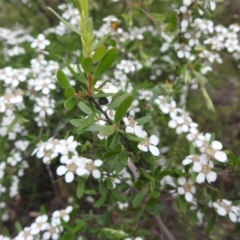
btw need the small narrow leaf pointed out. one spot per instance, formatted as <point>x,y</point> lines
<point>143,120</point>
<point>101,42</point>
<point>76,122</point>
<point>87,121</point>
<point>86,109</point>
<point>69,92</point>
<point>100,201</point>
<point>80,187</point>
<point>87,65</point>
<point>99,53</point>
<point>122,109</point>
<point>62,79</point>
<point>70,103</point>
<point>138,198</point>
<point>79,76</point>
<point>105,63</point>
<point>106,131</point>
<point>115,103</point>
<point>65,22</point>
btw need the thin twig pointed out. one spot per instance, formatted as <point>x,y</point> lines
<point>101,110</point>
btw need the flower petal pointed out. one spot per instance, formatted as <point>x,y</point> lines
<point>142,147</point>
<point>220,156</point>
<point>182,180</point>
<point>200,178</point>
<point>216,145</point>
<point>69,177</point>
<point>96,173</point>
<point>154,140</point>
<point>211,177</point>
<point>188,196</point>
<point>61,170</point>
<point>98,163</point>
<point>154,150</point>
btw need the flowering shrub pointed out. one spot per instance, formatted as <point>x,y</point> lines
<point>96,139</point>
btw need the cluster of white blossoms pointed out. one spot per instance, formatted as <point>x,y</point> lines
<point>45,227</point>
<point>71,163</point>
<point>132,34</point>
<point>148,143</point>
<point>225,208</point>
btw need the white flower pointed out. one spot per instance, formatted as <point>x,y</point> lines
<point>25,234</point>
<point>90,167</point>
<point>52,231</point>
<point>72,15</point>
<point>40,224</point>
<point>225,207</point>
<point>14,158</point>
<point>44,106</point>
<point>183,50</point>
<point>40,42</point>
<point>191,158</point>
<point>131,126</point>
<point>70,169</point>
<point>44,85</point>
<point>67,145</point>
<point>122,206</point>
<point>186,188</point>
<point>64,214</point>
<point>204,170</point>
<point>149,144</point>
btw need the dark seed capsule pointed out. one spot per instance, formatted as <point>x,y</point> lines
<point>103,101</point>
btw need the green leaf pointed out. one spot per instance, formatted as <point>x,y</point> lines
<point>83,7</point>
<point>84,107</point>
<point>93,128</point>
<point>211,224</point>
<point>87,65</point>
<point>122,109</point>
<point>105,63</point>
<point>118,196</point>
<point>70,103</point>
<point>115,143</point>
<point>65,225</point>
<point>119,167</point>
<point>182,204</point>
<point>109,154</point>
<point>115,103</point>
<point>143,120</point>
<point>101,95</point>
<point>133,137</point>
<point>80,187</point>
<point>64,21</point>
<point>192,149</point>
<point>138,198</point>
<point>87,121</point>
<point>99,53</point>
<point>212,138</point>
<point>106,131</point>
<point>162,174</point>
<point>62,79</point>
<point>79,225</point>
<point>101,42</point>
<point>18,226</point>
<point>76,122</point>
<point>89,26</point>
<point>124,157</point>
<point>215,194</point>
<point>100,201</point>
<point>69,92</point>
<point>79,76</point>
